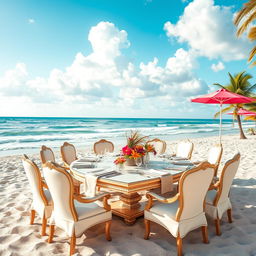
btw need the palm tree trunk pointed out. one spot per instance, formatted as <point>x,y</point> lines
<point>242,136</point>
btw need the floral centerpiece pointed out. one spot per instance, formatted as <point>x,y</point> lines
<point>136,147</point>
<point>120,162</point>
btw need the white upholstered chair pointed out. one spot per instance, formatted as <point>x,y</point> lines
<point>42,200</point>
<point>46,154</point>
<point>68,153</point>
<point>159,145</point>
<point>214,157</point>
<point>185,211</point>
<point>73,214</point>
<point>184,149</point>
<point>218,198</point>
<point>102,146</point>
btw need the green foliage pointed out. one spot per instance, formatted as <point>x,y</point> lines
<point>134,138</point>
<point>239,83</point>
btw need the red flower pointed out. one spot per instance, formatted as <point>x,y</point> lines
<point>127,151</point>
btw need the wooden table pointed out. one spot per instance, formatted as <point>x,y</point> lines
<point>129,183</point>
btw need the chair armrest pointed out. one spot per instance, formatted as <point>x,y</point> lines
<point>214,186</point>
<point>65,166</point>
<point>44,184</point>
<point>159,198</point>
<point>197,162</point>
<point>86,200</point>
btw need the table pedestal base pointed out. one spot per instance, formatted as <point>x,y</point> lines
<point>128,207</point>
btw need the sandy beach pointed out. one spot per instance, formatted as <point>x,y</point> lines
<point>17,237</point>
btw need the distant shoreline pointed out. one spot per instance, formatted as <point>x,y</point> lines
<point>135,118</point>
<point>20,135</point>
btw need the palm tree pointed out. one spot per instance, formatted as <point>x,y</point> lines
<point>245,18</point>
<point>239,83</point>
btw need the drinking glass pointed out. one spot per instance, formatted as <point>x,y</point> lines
<point>138,161</point>
<point>146,160</point>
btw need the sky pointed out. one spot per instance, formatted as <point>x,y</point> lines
<point>116,58</point>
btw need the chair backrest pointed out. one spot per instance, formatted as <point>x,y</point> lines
<point>214,156</point>
<point>102,146</point>
<point>193,187</point>
<point>35,181</point>
<point>226,178</point>
<point>61,188</point>
<point>159,145</point>
<point>184,149</point>
<point>68,153</point>
<point>46,154</point>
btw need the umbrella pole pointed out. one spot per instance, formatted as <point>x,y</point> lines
<point>220,121</point>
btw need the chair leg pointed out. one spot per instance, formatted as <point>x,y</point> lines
<point>229,211</point>
<point>205,234</point>
<point>107,230</point>
<point>32,216</point>
<point>217,226</point>
<point>72,244</point>
<point>147,229</point>
<point>51,233</point>
<point>179,245</point>
<point>44,223</point>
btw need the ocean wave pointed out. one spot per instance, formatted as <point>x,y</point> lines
<point>29,133</point>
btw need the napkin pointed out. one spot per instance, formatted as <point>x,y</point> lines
<point>166,183</point>
<point>177,158</point>
<point>90,182</point>
<point>88,159</point>
<point>182,162</point>
<point>177,168</point>
<point>83,165</point>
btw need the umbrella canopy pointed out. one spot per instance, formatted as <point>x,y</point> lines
<point>243,112</point>
<point>223,96</point>
<point>220,97</point>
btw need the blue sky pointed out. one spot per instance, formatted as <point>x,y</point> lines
<point>136,58</point>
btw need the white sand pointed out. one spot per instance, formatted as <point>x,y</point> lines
<point>17,237</point>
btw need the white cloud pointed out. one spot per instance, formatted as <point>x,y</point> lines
<point>31,21</point>
<point>209,31</point>
<point>218,66</point>
<point>105,80</point>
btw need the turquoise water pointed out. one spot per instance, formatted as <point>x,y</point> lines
<point>27,134</point>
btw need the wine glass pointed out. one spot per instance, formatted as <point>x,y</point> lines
<point>138,161</point>
<point>146,160</point>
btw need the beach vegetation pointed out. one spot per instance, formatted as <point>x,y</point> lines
<point>246,19</point>
<point>238,83</point>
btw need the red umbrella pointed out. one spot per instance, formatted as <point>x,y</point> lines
<point>243,112</point>
<point>223,96</point>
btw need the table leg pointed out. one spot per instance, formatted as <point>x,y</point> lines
<point>128,207</point>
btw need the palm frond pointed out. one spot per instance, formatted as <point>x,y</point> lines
<point>232,82</point>
<point>252,34</point>
<point>248,7</point>
<point>250,118</point>
<point>222,86</point>
<point>224,110</point>
<point>252,53</point>
<point>251,88</point>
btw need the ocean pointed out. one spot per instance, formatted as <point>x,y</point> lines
<point>20,135</point>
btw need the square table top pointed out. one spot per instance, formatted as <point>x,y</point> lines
<point>130,175</point>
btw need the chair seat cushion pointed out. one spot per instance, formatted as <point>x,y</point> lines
<point>85,210</point>
<point>165,209</point>
<point>210,196</point>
